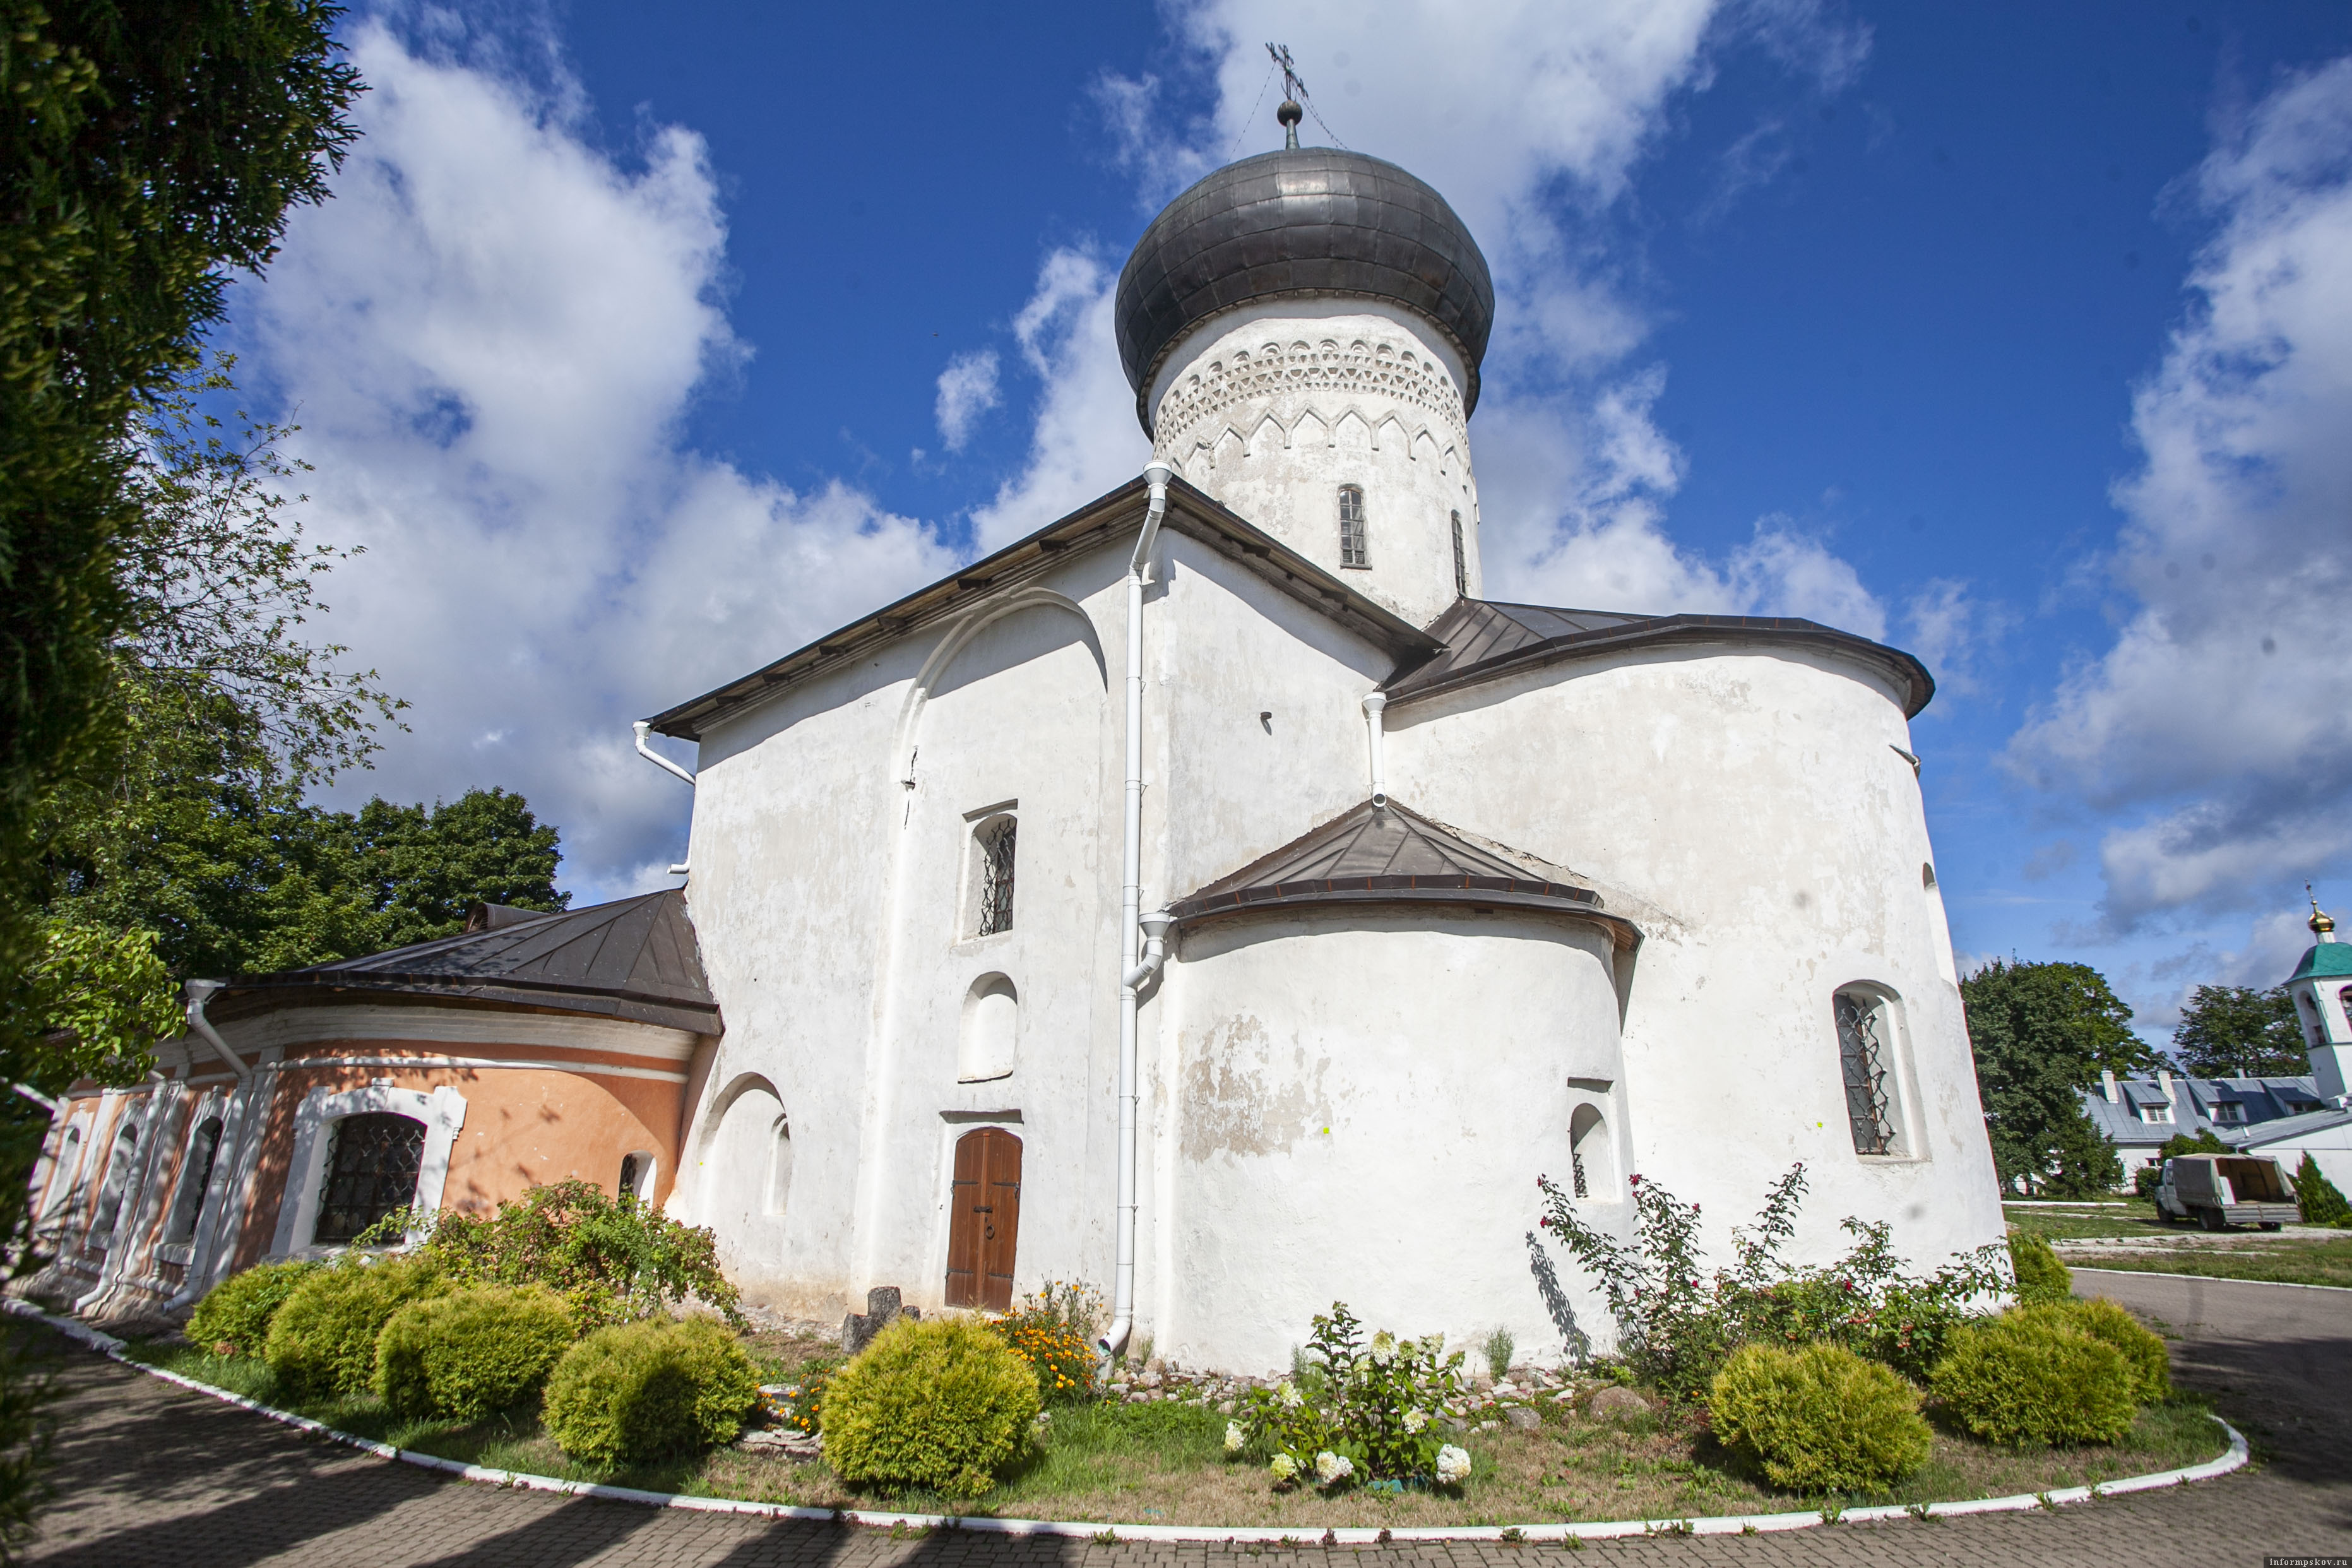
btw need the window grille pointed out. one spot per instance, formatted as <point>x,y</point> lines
<point>1354,548</point>
<point>201,1156</point>
<point>1576,1170</point>
<point>1860,1054</point>
<point>628,1188</point>
<point>1461,561</point>
<point>996,876</point>
<point>371,1172</point>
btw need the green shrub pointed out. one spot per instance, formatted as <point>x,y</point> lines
<point>644,1390</point>
<point>2018,1380</point>
<point>1819,1419</point>
<point>2040,1276</point>
<point>233,1317</point>
<point>942,1403</point>
<point>323,1341</point>
<point>465,1354</point>
<point>615,1259</point>
<point>2316,1196</point>
<point>1369,1401</point>
<point>2151,1364</point>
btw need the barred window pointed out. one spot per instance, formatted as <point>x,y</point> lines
<point>1355,549</point>
<point>371,1172</point>
<point>1862,1057</point>
<point>189,1208</point>
<point>1461,561</point>
<point>995,839</point>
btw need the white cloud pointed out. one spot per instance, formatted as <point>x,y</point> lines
<point>1955,634</point>
<point>967,391</point>
<point>490,335</point>
<point>2220,724</point>
<point>1086,439</point>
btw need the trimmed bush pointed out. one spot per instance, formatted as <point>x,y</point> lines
<point>2040,1276</point>
<point>2018,1380</point>
<point>941,1404</point>
<point>646,1390</point>
<point>2151,1364</point>
<point>1819,1419</point>
<point>2317,1198</point>
<point>466,1355</point>
<point>233,1317</point>
<point>323,1341</point>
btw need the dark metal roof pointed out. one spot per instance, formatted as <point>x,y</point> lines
<point>636,959</point>
<point>1389,855</point>
<point>1305,222</point>
<point>1114,516</point>
<point>1485,639</point>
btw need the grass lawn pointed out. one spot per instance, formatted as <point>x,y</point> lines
<point>1164,1463</point>
<point>2122,1217</point>
<point>2318,1257</point>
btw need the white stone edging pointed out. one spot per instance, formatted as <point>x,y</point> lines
<point>2208,1278</point>
<point>1354,1535</point>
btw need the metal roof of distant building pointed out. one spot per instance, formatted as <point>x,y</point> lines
<point>1302,223</point>
<point>2266,1133</point>
<point>634,958</point>
<point>2325,961</point>
<point>1385,855</point>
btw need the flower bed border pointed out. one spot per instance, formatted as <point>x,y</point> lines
<point>1353,1535</point>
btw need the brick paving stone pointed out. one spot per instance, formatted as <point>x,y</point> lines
<point>151,1475</point>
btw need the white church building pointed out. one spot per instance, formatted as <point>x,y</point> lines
<point>1215,898</point>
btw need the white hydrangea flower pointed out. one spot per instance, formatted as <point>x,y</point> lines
<point>1283,1469</point>
<point>1414,1420</point>
<point>1384,1346</point>
<point>1291,1397</point>
<point>1331,1468</point>
<point>1235,1437</point>
<point>1453,1465</point>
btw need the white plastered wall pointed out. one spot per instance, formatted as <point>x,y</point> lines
<point>1762,802</point>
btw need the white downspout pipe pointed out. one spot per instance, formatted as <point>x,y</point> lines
<point>1373,703</point>
<point>641,727</point>
<point>1132,971</point>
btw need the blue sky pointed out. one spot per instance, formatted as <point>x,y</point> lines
<point>638,352</point>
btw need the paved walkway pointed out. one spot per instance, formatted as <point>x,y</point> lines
<point>151,1475</point>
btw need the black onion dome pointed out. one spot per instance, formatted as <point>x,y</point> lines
<point>1305,222</point>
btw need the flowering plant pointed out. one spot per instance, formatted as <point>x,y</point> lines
<point>1358,1405</point>
<point>1677,1322</point>
<point>1053,1330</point>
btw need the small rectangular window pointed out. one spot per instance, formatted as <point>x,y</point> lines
<point>995,842</point>
<point>1862,1058</point>
<point>1355,547</point>
<point>1461,561</point>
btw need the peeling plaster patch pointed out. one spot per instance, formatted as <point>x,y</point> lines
<point>1238,1101</point>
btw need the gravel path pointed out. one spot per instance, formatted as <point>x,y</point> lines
<point>152,1475</point>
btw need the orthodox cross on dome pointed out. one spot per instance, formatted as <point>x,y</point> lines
<point>1293,89</point>
<point>2321,925</point>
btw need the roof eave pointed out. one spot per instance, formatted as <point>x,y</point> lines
<point>1190,512</point>
<point>636,1007</point>
<point>1665,630</point>
<point>1192,914</point>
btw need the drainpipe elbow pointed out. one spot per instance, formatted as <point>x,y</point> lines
<point>1155,926</point>
<point>641,726</point>
<point>200,992</point>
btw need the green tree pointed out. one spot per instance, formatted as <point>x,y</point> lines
<point>2320,1202</point>
<point>2229,1030</point>
<point>2041,1032</point>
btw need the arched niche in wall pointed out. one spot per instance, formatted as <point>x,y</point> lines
<point>988,1044</point>
<point>745,1185</point>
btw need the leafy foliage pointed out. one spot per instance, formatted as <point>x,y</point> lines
<point>646,1390</point>
<point>943,1403</point>
<point>1374,1402</point>
<point>1818,1419</point>
<point>2020,1379</point>
<point>614,1261</point>
<point>1677,1321</point>
<point>472,1352</point>
<point>2227,1030</point>
<point>1054,1330</point>
<point>233,1317</point>
<point>323,1340</point>
<point>2040,1276</point>
<point>2040,1032</point>
<point>103,998</point>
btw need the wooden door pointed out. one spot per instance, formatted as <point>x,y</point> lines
<point>983,1220</point>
